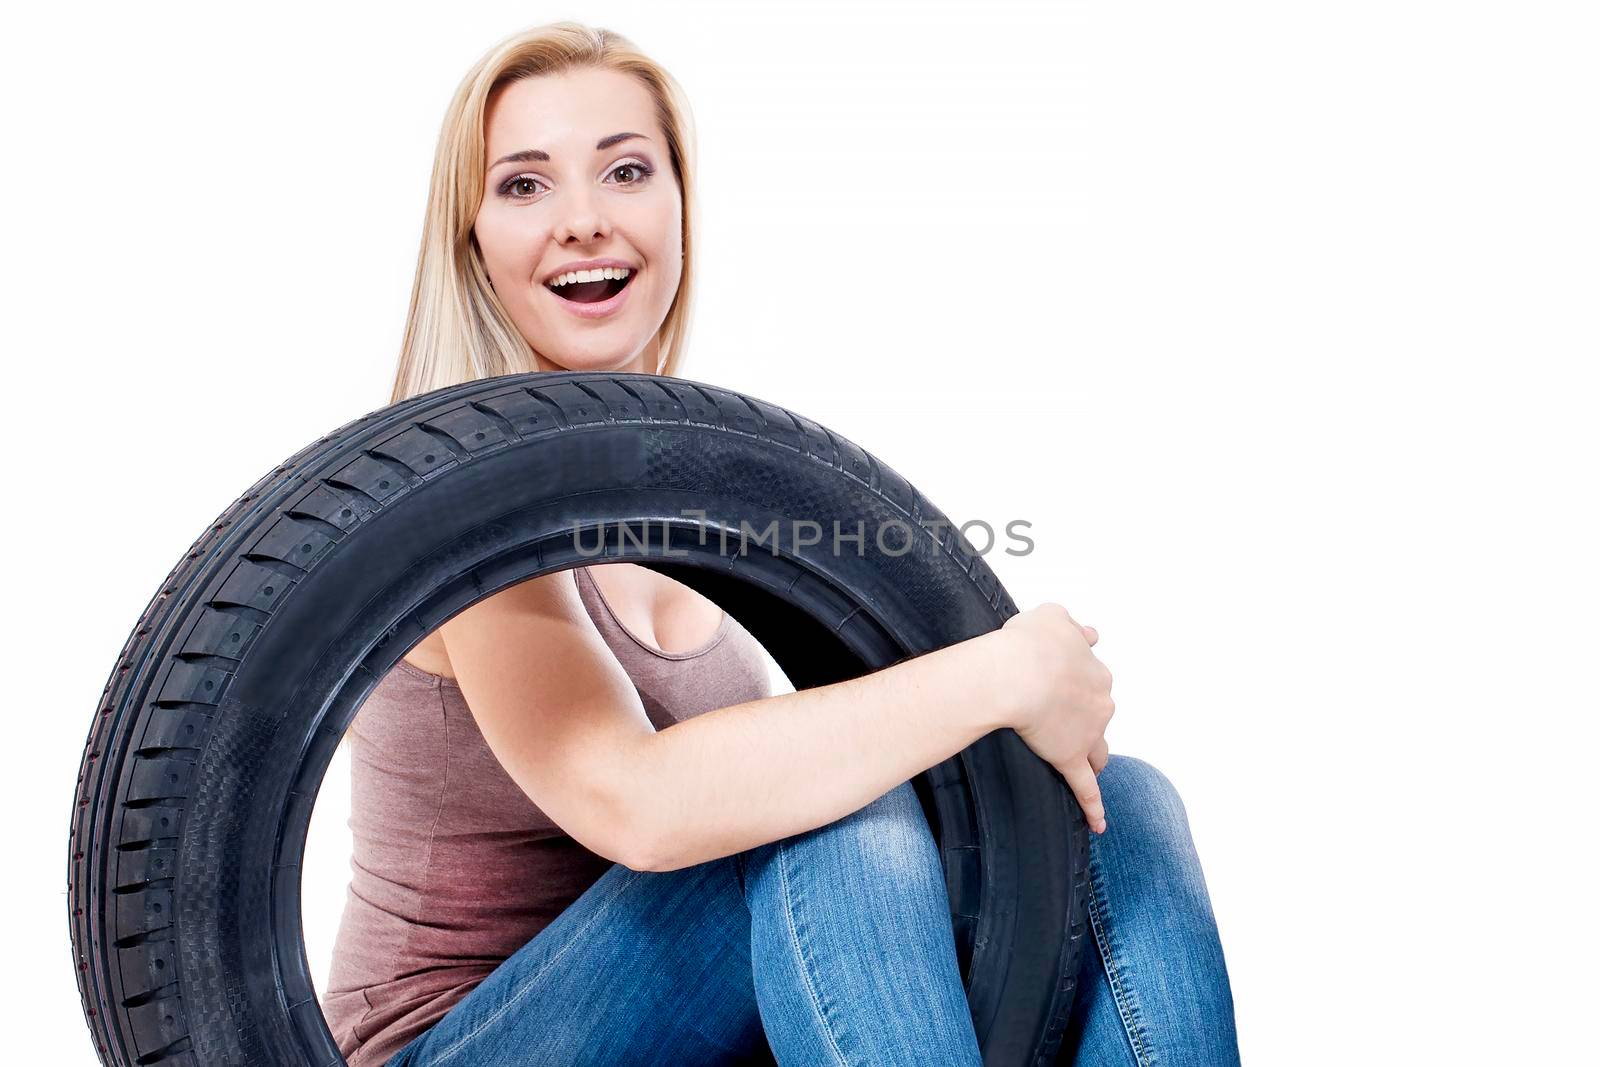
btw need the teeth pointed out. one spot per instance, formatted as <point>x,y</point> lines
<point>600,274</point>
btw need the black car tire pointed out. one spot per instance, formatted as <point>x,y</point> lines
<point>223,711</point>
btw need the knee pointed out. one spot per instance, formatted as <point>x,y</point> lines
<point>1148,841</point>
<point>894,832</point>
<point>889,836</point>
<point>1136,792</point>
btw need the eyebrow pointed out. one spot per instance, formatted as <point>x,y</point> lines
<point>528,155</point>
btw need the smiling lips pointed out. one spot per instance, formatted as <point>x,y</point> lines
<point>594,296</point>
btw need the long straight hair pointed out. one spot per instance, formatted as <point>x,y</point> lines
<point>456,329</point>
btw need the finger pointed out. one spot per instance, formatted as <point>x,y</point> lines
<point>1099,756</point>
<point>1080,779</point>
<point>1090,634</point>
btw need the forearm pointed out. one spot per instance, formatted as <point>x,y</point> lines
<point>741,776</point>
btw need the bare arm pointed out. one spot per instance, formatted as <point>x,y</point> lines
<point>564,720</point>
<point>744,775</point>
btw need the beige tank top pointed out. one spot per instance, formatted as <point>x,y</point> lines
<point>453,868</point>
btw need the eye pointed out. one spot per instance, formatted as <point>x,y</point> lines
<point>511,183</point>
<point>643,170</point>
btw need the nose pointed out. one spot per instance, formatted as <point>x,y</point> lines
<point>581,220</point>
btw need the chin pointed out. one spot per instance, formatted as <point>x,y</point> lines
<point>586,360</point>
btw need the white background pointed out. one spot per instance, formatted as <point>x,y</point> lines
<point>1275,320</point>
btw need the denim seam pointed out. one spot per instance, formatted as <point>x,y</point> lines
<point>528,985</point>
<point>805,962</point>
<point>1127,1003</point>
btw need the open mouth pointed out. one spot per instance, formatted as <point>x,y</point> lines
<point>592,292</point>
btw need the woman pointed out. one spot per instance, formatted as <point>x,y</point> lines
<point>623,849</point>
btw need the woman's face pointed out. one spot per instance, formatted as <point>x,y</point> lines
<point>580,188</point>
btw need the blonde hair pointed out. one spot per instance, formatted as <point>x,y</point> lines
<point>456,329</point>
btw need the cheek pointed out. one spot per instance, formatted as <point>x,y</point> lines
<point>654,221</point>
<point>506,243</point>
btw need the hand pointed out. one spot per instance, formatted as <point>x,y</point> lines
<point>1063,699</point>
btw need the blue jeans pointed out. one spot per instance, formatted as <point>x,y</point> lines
<point>835,947</point>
